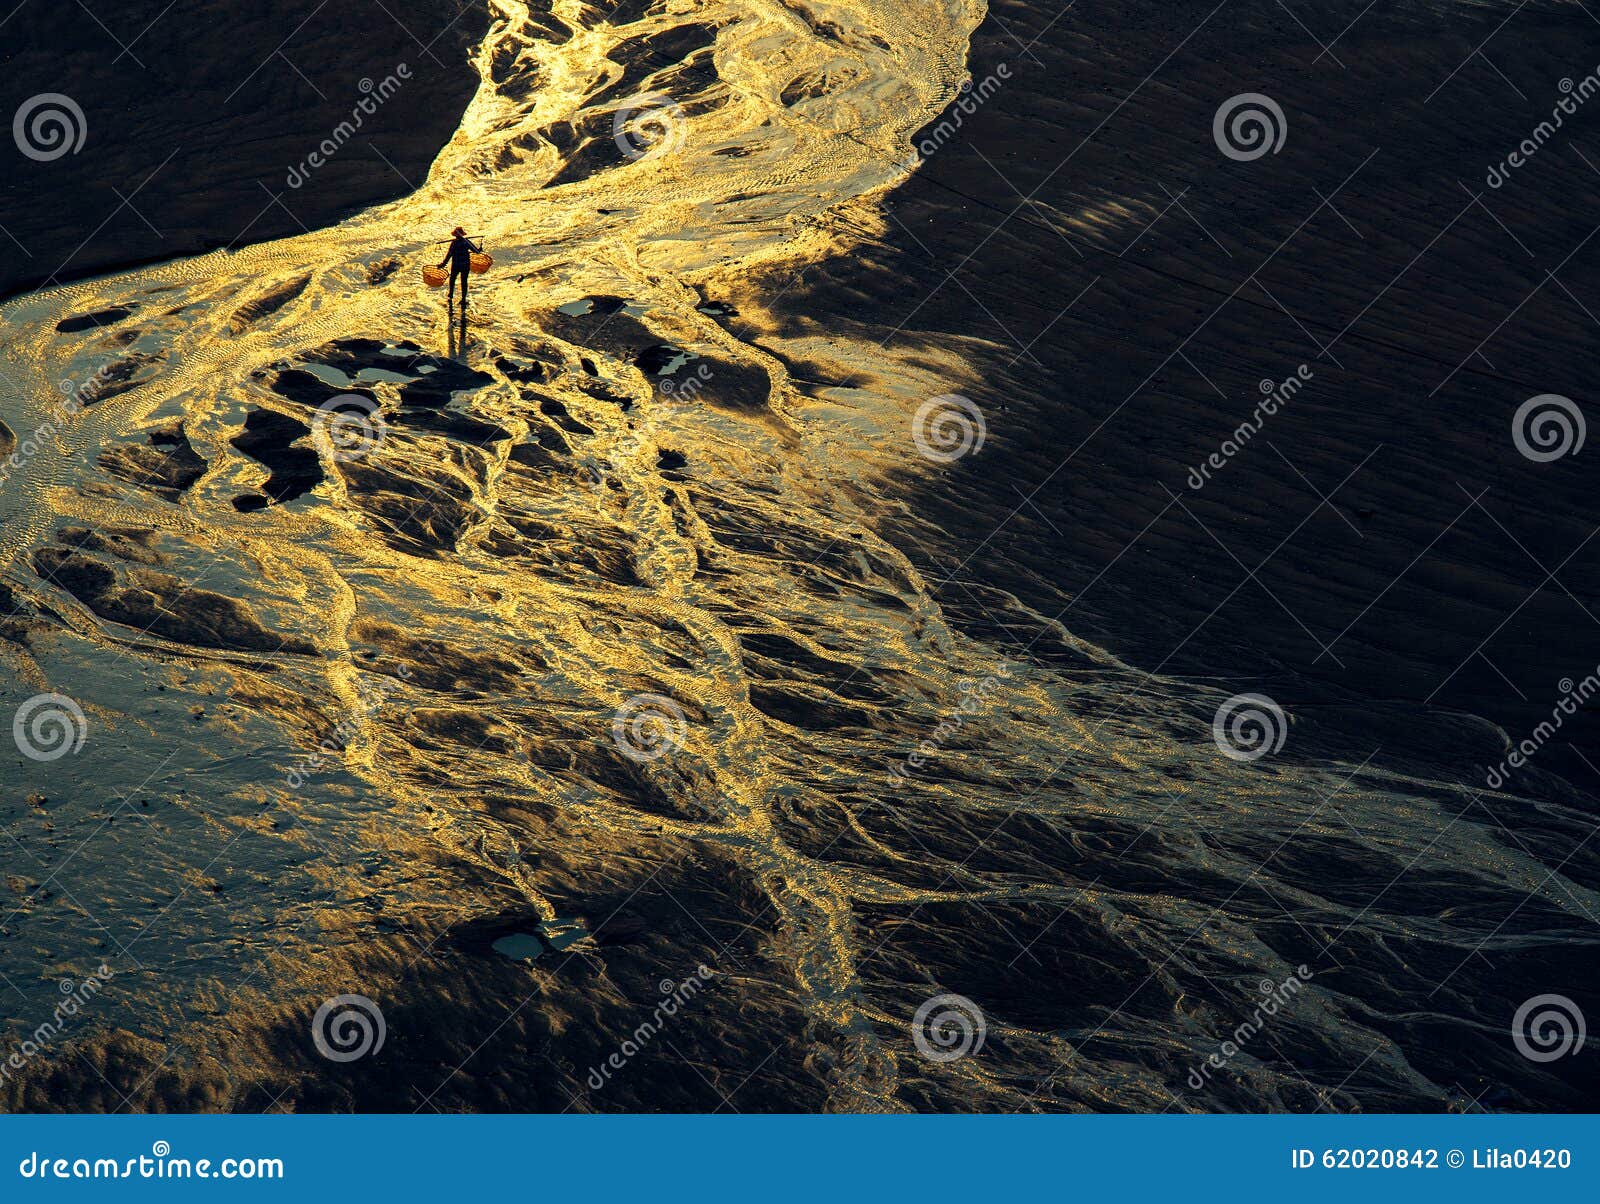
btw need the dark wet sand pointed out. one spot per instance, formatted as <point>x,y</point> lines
<point>1122,289</point>
<point>196,113</point>
<point>1080,861</point>
<point>1187,279</point>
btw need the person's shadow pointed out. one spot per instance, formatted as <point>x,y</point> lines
<point>458,341</point>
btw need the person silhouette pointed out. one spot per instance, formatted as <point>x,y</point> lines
<point>459,257</point>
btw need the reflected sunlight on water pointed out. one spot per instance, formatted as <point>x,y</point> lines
<point>398,646</point>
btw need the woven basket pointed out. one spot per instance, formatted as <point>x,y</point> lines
<point>481,262</point>
<point>433,277</point>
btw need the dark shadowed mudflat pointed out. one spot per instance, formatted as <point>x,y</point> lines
<point>1126,293</point>
<point>515,676</point>
<point>195,112</point>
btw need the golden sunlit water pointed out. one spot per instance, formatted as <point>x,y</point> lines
<point>606,515</point>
